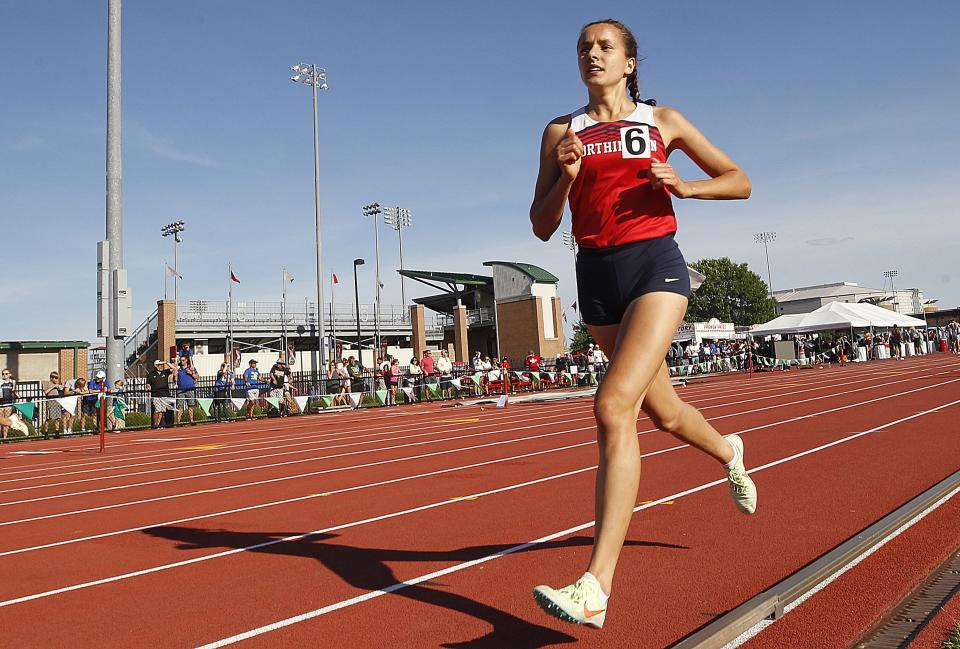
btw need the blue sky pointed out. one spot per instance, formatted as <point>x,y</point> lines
<point>843,115</point>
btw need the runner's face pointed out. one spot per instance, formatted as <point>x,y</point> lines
<point>602,56</point>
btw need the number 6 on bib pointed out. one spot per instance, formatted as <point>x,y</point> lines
<point>635,141</point>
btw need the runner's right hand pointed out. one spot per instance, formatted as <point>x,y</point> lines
<point>569,154</point>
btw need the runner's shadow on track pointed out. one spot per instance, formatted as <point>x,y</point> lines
<point>366,568</point>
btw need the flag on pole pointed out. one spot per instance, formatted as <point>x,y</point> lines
<point>234,277</point>
<point>171,272</point>
<point>287,277</point>
<point>336,280</point>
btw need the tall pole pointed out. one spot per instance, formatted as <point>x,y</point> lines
<point>316,207</point>
<point>230,319</point>
<point>403,292</point>
<point>356,297</point>
<point>891,274</point>
<point>333,319</point>
<point>176,265</point>
<point>283,316</point>
<point>765,238</point>
<point>114,225</point>
<point>317,78</point>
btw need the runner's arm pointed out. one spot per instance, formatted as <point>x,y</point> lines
<point>553,187</point>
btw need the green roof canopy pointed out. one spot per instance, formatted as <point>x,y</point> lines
<point>43,344</point>
<point>535,273</point>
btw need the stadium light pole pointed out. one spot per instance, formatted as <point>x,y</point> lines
<point>110,304</point>
<point>890,274</point>
<point>766,238</point>
<point>570,242</point>
<point>399,218</point>
<point>175,229</point>
<point>316,78</point>
<point>374,210</point>
<point>356,297</point>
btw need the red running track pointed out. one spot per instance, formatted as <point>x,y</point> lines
<point>422,517</point>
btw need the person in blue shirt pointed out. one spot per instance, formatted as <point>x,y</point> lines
<point>251,378</point>
<point>186,387</point>
<point>186,352</point>
<point>88,408</point>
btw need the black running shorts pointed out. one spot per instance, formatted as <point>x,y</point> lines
<point>609,279</point>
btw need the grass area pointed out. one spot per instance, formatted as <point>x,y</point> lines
<point>953,639</point>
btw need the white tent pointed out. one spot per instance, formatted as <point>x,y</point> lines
<point>836,315</point>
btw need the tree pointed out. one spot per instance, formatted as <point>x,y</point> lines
<point>581,337</point>
<point>730,293</point>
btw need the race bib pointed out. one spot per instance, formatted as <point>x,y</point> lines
<point>635,141</point>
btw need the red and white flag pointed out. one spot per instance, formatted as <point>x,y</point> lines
<point>234,277</point>
<point>336,280</point>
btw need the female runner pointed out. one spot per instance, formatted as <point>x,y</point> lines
<point>610,160</point>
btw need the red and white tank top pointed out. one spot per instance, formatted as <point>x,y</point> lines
<point>611,200</point>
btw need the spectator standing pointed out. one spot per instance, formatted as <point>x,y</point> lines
<point>533,362</point>
<point>382,375</point>
<point>279,375</point>
<point>52,390</point>
<point>119,394</point>
<point>221,393</point>
<point>895,340</point>
<point>8,394</point>
<point>414,378</point>
<point>159,381</point>
<point>356,374</point>
<point>394,381</point>
<point>88,407</point>
<point>251,379</point>
<point>429,367</point>
<point>445,369</point>
<point>477,362</point>
<point>186,387</point>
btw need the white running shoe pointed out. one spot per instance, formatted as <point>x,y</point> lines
<point>580,603</point>
<point>742,489</point>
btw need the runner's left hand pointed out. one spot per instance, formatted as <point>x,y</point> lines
<point>663,173</point>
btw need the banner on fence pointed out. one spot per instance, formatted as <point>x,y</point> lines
<point>301,403</point>
<point>205,404</point>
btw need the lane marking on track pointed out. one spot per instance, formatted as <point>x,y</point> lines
<point>34,452</point>
<point>162,439</point>
<point>445,571</point>
<point>483,432</point>
<point>202,447</point>
<point>544,539</point>
<point>385,482</point>
<point>702,398</point>
<point>471,420</point>
<point>652,502</point>
<point>712,387</point>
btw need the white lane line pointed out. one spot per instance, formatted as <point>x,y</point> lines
<point>456,568</point>
<point>544,539</point>
<point>763,624</point>
<point>408,445</point>
<point>456,450</point>
<point>741,384</point>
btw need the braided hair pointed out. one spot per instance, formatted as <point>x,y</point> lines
<point>630,43</point>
